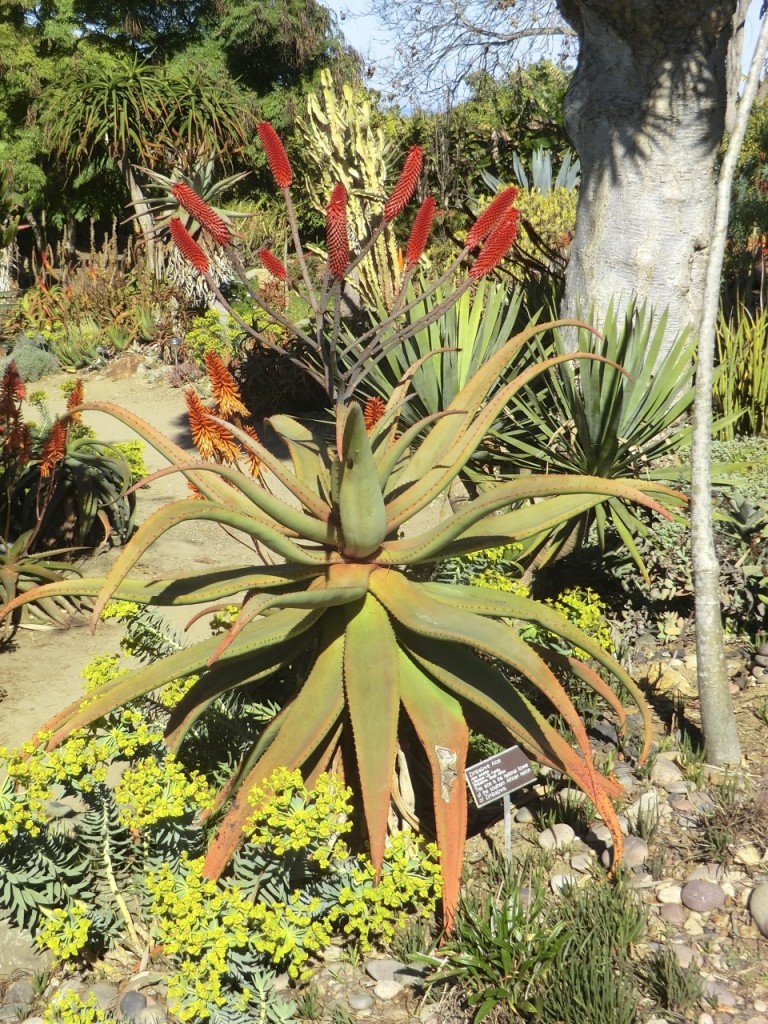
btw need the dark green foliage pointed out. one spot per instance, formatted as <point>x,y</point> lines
<point>38,872</point>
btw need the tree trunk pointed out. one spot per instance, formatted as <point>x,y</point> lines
<point>646,111</point>
<point>143,214</point>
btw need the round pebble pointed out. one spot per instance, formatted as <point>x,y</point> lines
<point>705,1018</point>
<point>132,1003</point>
<point>758,907</point>
<point>672,913</point>
<point>105,992</point>
<point>669,893</point>
<point>665,773</point>
<point>384,969</point>
<point>523,816</point>
<point>562,881</point>
<point>702,895</point>
<point>556,837</point>
<point>717,990</point>
<point>360,1000</point>
<point>581,862</point>
<point>387,989</point>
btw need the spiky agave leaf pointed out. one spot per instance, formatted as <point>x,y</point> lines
<point>373,641</point>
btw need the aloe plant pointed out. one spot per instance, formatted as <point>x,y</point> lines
<point>376,642</point>
<point>373,646</point>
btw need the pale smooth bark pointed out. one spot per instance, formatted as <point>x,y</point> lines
<point>717,715</point>
<point>144,216</point>
<point>646,112</point>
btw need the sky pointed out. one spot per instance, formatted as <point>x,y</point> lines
<point>369,37</point>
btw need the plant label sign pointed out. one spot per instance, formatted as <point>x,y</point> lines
<point>499,775</point>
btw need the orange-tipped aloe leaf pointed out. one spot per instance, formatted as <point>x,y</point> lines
<point>481,601</point>
<point>311,463</point>
<point>274,512</point>
<point>562,664</point>
<point>280,627</point>
<point>309,499</point>
<point>411,605</point>
<point>440,726</point>
<point>299,730</point>
<point>187,510</point>
<point>371,683</point>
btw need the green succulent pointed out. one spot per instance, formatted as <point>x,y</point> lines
<point>374,640</point>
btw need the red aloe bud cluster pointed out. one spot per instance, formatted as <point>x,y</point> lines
<point>273,264</point>
<point>406,184</point>
<point>373,411</point>
<point>277,158</point>
<point>492,215</point>
<point>420,232</point>
<point>76,398</point>
<point>187,246</point>
<point>498,244</point>
<point>336,233</point>
<point>207,218</point>
<point>54,449</point>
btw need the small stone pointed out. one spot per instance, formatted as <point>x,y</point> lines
<point>693,926</point>
<point>665,773</point>
<point>762,650</point>
<point>556,837</point>
<point>685,954</point>
<point>151,1015</point>
<point>282,982</point>
<point>582,862</point>
<point>360,1000</point>
<point>21,992</point>
<point>105,992</point>
<point>758,907</point>
<point>635,851</point>
<point>702,896</point>
<point>705,1018</point>
<point>749,855</point>
<point>760,1006</point>
<point>647,807</point>
<point>673,913</point>
<point>600,833</point>
<point>663,679</point>
<point>605,732</point>
<point>760,1019</point>
<point>412,975</point>
<point>716,990</point>
<point>561,881</point>
<point>132,1003</point>
<point>669,892</point>
<point>387,989</point>
<point>384,969</point>
<point>524,816</point>
<point>680,788</point>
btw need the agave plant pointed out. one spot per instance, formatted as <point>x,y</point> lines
<point>377,645</point>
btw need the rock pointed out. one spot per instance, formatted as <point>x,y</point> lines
<point>360,1000</point>
<point>663,679</point>
<point>605,732</point>
<point>635,853</point>
<point>600,834</point>
<point>561,881</point>
<point>384,969</point>
<point>582,862</point>
<point>669,892</point>
<point>701,895</point>
<point>151,1015</point>
<point>556,837</point>
<point>20,952</point>
<point>693,926</point>
<point>523,816</point>
<point>705,1018</point>
<point>666,773</point>
<point>717,990</point>
<point>749,855</point>
<point>758,907</point>
<point>125,366</point>
<point>132,1003</point>
<point>685,954</point>
<point>760,1006</point>
<point>106,993</point>
<point>21,992</point>
<point>412,975</point>
<point>673,913</point>
<point>387,989</point>
<point>760,1019</point>
<point>647,807</point>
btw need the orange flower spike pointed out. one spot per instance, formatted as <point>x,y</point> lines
<point>373,411</point>
<point>224,388</point>
<point>420,232</point>
<point>277,158</point>
<point>75,398</point>
<point>499,243</point>
<point>54,449</point>
<point>254,463</point>
<point>200,424</point>
<point>12,390</point>
<point>273,264</point>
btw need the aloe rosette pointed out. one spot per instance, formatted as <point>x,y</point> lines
<point>377,643</point>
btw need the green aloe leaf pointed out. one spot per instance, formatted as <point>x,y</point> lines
<point>360,500</point>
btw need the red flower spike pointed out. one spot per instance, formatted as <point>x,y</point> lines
<point>273,264</point>
<point>187,246</point>
<point>277,158</point>
<point>420,232</point>
<point>336,234</point>
<point>492,215</point>
<point>54,449</point>
<point>207,218</point>
<point>18,444</point>
<point>373,411</point>
<point>12,389</point>
<point>406,184</point>
<point>496,248</point>
<point>75,398</point>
